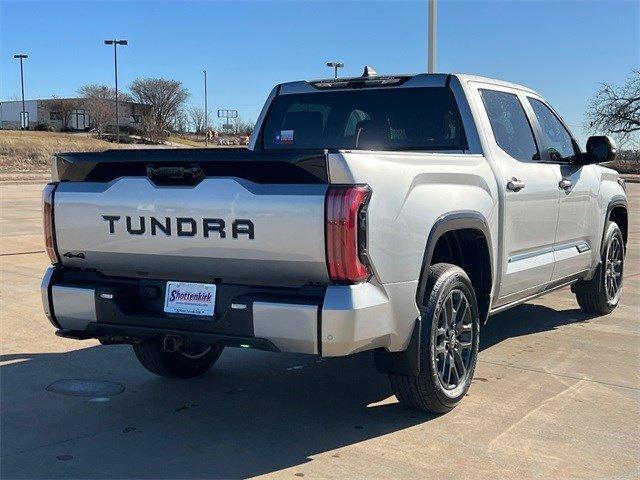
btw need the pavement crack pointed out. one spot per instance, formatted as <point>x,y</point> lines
<point>556,374</point>
<point>542,406</point>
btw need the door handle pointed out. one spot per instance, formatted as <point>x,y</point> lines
<point>565,184</point>
<point>515,185</point>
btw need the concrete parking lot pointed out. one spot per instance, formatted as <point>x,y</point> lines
<point>556,395</point>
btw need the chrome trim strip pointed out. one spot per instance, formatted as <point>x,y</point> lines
<point>581,246</point>
<point>535,253</point>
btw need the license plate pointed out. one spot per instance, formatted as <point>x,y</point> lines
<point>190,298</point>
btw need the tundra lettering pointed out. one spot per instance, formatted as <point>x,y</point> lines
<point>397,213</point>
<point>185,226</point>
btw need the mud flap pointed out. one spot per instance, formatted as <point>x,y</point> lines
<point>406,362</point>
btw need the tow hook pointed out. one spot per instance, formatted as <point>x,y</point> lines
<point>172,343</point>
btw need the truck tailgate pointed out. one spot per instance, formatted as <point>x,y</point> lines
<point>227,228</point>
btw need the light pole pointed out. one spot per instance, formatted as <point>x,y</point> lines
<point>24,117</point>
<point>206,116</point>
<point>335,66</point>
<point>115,44</point>
<point>431,61</point>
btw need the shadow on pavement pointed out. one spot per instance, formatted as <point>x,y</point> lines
<point>525,320</point>
<point>254,413</point>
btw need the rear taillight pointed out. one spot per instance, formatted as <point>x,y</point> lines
<point>346,233</point>
<point>49,229</point>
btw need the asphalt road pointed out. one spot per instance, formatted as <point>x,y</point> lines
<point>556,395</point>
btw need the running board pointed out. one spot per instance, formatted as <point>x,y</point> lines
<point>574,278</point>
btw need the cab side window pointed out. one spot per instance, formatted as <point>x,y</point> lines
<point>510,125</point>
<point>560,145</point>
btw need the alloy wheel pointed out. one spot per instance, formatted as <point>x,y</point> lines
<point>454,340</point>
<point>613,269</point>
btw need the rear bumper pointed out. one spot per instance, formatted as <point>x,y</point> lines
<point>329,321</point>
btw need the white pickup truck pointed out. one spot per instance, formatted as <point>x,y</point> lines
<point>387,213</point>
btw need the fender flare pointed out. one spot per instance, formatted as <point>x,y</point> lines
<point>448,222</point>
<point>615,202</point>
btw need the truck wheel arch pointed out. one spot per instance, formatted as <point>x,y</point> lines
<point>617,212</point>
<point>450,224</point>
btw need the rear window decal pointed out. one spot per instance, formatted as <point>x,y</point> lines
<point>286,137</point>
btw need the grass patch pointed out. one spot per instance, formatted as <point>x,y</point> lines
<point>28,151</point>
<point>190,141</point>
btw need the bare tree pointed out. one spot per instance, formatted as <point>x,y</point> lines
<point>65,107</point>
<point>149,130</point>
<point>196,117</point>
<point>616,110</point>
<point>241,127</point>
<point>100,101</point>
<point>181,121</point>
<point>165,98</point>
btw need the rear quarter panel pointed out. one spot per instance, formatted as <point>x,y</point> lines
<point>410,191</point>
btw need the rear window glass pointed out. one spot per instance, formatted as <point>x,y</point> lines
<point>393,119</point>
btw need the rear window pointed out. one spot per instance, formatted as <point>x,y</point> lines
<point>381,119</point>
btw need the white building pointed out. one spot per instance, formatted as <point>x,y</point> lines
<point>48,111</point>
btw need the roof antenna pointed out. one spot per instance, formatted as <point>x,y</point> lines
<point>369,72</point>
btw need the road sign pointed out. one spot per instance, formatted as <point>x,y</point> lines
<point>223,113</point>
<point>24,119</point>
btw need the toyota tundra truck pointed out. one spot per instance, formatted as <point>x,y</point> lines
<point>392,213</point>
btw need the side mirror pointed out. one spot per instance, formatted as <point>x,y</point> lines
<point>599,150</point>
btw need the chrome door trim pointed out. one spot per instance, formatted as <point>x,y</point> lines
<point>582,246</point>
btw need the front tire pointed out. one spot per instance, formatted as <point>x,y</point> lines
<point>601,294</point>
<point>448,344</point>
<point>177,364</point>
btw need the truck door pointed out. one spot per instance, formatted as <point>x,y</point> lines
<point>577,239</point>
<point>530,201</point>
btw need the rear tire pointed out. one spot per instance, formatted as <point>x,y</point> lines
<point>601,294</point>
<point>448,344</point>
<point>176,364</point>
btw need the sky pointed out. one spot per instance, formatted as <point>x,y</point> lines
<point>562,49</point>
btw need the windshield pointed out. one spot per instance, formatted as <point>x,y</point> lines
<point>380,119</point>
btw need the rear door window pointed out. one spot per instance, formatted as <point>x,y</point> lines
<point>510,125</point>
<point>374,119</point>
